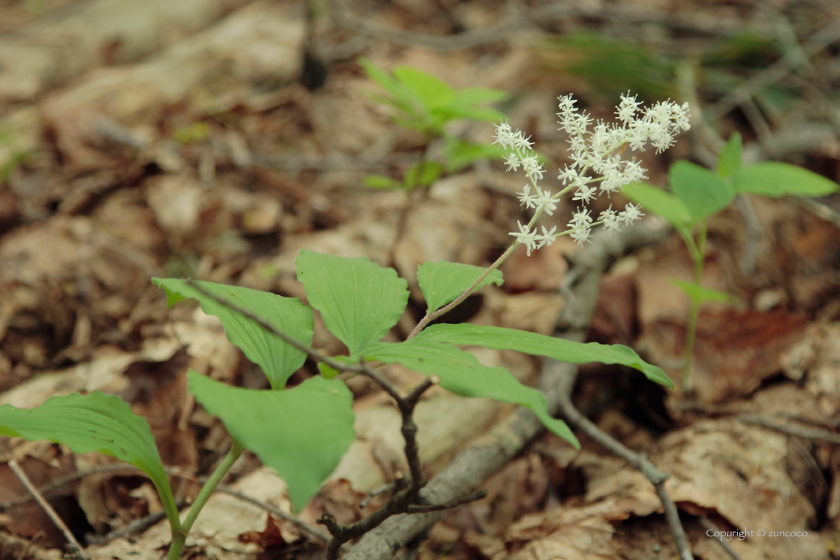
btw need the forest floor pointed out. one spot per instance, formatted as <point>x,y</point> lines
<point>215,139</point>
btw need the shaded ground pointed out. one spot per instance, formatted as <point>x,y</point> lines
<point>215,139</point>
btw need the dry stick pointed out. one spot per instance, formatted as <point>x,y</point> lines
<point>507,439</point>
<point>709,526</point>
<point>78,552</point>
<point>792,429</point>
<point>139,524</point>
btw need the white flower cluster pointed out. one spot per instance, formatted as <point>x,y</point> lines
<point>594,149</point>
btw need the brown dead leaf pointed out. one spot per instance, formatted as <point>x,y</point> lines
<point>739,472</point>
<point>734,352</point>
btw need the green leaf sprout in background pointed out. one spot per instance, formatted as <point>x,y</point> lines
<point>427,104</point>
<point>698,193</point>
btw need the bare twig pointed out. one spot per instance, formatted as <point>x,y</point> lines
<point>78,552</point>
<point>139,524</point>
<point>386,488</point>
<point>709,526</point>
<point>792,429</point>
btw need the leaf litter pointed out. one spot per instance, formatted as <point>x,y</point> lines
<point>127,188</point>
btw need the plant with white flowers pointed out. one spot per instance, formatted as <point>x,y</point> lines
<point>303,431</point>
<point>596,164</point>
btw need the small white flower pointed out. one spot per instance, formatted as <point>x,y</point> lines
<point>547,237</point>
<point>627,109</point>
<point>504,135</point>
<point>609,219</point>
<point>630,214</point>
<point>547,203</point>
<point>512,161</point>
<point>581,235</point>
<point>521,142</point>
<point>584,193</point>
<point>580,218</point>
<point>526,199</point>
<point>532,167</point>
<point>526,237</point>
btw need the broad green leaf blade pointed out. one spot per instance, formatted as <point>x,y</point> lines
<point>460,372</point>
<point>729,162</point>
<point>476,95</point>
<point>430,90</point>
<point>382,182</point>
<point>453,112</point>
<point>659,202</point>
<point>460,153</point>
<point>95,422</point>
<point>302,432</point>
<point>359,300</point>
<point>442,282</point>
<point>702,191</point>
<point>501,338</point>
<point>779,179</point>
<point>699,294</point>
<point>385,80</point>
<point>277,359</point>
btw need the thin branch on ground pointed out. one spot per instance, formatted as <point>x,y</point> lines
<point>387,488</point>
<point>76,549</point>
<point>792,429</point>
<point>139,524</point>
<point>709,526</point>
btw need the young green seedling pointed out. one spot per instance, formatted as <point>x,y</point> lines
<point>698,193</point>
<point>425,103</point>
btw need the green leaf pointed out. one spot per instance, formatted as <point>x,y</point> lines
<point>461,153</point>
<point>702,191</point>
<point>501,338</point>
<point>475,95</point>
<point>442,282</point>
<point>659,202</point>
<point>95,422</point>
<point>384,80</point>
<point>453,112</point>
<point>428,171</point>
<point>779,179</point>
<point>359,300</point>
<point>461,373</point>
<point>729,162</point>
<point>302,432</point>
<point>431,91</point>
<point>381,182</point>
<point>277,359</point>
<point>699,294</point>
